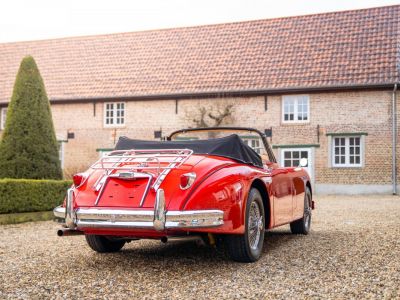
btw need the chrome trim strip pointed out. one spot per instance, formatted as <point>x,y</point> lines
<point>69,209</point>
<point>194,219</point>
<point>132,219</point>
<point>159,211</point>
<point>104,179</point>
<point>117,215</point>
<point>59,212</point>
<point>108,224</point>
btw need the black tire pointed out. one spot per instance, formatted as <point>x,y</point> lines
<point>302,226</point>
<point>103,244</point>
<point>240,248</point>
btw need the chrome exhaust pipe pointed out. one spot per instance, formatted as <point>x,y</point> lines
<point>189,238</point>
<point>67,232</point>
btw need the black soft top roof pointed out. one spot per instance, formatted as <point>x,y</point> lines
<point>230,146</point>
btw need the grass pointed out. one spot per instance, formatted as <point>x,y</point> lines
<point>25,217</point>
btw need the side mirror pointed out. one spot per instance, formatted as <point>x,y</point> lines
<point>303,162</point>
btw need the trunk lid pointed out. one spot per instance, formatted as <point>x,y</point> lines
<point>133,189</point>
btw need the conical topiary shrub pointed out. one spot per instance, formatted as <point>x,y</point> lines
<point>28,148</point>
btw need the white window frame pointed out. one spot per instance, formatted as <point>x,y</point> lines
<point>103,153</point>
<point>310,164</point>
<point>251,141</point>
<point>114,117</point>
<point>3,115</point>
<point>61,152</point>
<point>347,163</point>
<point>295,99</point>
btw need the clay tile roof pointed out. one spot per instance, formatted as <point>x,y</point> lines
<point>356,48</point>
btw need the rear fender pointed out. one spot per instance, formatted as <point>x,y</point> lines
<point>226,190</point>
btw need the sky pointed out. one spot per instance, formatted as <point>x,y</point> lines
<point>25,20</point>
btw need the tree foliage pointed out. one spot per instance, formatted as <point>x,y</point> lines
<point>28,148</point>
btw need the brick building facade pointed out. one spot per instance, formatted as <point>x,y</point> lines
<point>331,99</point>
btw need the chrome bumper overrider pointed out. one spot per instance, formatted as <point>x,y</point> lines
<point>157,219</point>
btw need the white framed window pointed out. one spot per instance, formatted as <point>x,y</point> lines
<point>254,143</point>
<point>296,109</point>
<point>3,115</point>
<point>61,153</point>
<point>347,151</point>
<point>290,157</point>
<point>104,151</point>
<point>114,114</point>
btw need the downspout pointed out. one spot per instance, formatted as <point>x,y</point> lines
<point>394,140</point>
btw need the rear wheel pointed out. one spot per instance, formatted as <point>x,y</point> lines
<point>102,244</point>
<point>248,246</point>
<point>302,226</point>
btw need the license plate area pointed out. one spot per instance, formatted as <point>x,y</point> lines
<point>119,192</point>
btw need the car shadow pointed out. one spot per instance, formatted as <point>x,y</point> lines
<point>155,254</point>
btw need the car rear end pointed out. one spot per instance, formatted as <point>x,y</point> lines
<point>129,193</point>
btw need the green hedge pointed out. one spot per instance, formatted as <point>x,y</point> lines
<point>28,195</point>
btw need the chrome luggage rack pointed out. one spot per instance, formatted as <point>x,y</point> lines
<point>130,165</point>
<point>136,164</point>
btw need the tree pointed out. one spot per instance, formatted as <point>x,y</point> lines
<point>28,148</point>
<point>213,116</point>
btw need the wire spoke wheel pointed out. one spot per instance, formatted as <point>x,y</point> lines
<point>302,226</point>
<point>247,247</point>
<point>307,212</point>
<point>256,225</point>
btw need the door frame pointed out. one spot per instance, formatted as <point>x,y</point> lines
<point>311,158</point>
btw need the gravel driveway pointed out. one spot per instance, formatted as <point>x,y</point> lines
<point>353,251</point>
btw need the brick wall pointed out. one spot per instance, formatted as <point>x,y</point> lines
<point>367,111</point>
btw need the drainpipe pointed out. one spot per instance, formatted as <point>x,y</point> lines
<point>394,140</point>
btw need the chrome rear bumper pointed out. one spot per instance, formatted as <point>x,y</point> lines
<point>157,219</point>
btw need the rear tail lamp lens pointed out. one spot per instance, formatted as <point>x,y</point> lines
<point>78,179</point>
<point>187,180</point>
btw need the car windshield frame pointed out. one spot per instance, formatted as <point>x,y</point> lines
<point>270,153</point>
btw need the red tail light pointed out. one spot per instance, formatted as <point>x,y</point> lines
<point>78,179</point>
<point>187,180</point>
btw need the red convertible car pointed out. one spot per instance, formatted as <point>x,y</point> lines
<point>217,184</point>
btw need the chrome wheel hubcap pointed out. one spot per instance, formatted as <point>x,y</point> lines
<point>307,213</point>
<point>256,225</point>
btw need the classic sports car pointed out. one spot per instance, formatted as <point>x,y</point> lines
<point>219,184</point>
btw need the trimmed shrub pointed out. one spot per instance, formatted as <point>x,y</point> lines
<point>28,148</point>
<point>27,195</point>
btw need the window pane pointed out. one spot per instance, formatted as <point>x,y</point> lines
<point>287,163</point>
<point>288,154</point>
<point>296,163</point>
<point>347,153</point>
<point>304,154</point>
<point>296,154</point>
